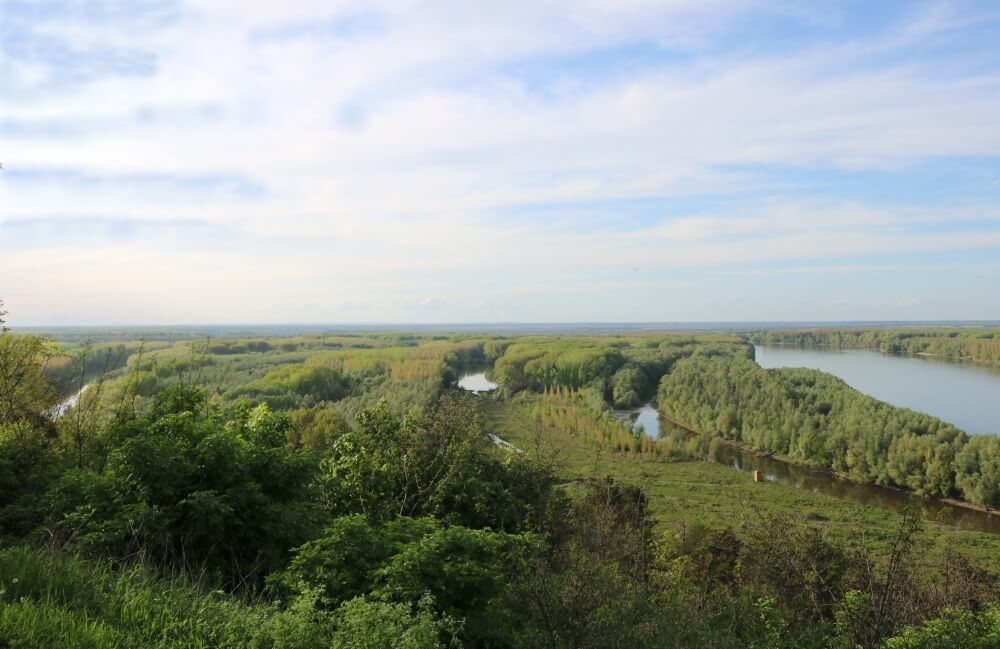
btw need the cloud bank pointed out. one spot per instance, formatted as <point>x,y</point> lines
<point>215,161</point>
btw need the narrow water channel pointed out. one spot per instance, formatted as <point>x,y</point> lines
<point>774,470</point>
<point>60,409</point>
<point>823,482</point>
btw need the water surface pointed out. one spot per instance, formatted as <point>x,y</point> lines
<point>824,482</point>
<point>476,382</point>
<point>962,393</point>
<point>62,407</point>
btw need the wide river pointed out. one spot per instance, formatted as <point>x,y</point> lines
<point>962,393</point>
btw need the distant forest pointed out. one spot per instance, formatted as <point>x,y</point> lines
<point>981,345</point>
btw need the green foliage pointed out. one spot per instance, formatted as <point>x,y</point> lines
<point>340,563</point>
<point>365,624</point>
<point>977,469</point>
<point>441,465</point>
<point>28,465</point>
<point>956,629</point>
<point>467,573</point>
<point>48,600</point>
<point>316,428</point>
<point>322,383</point>
<point>407,527</point>
<point>629,386</point>
<point>584,415</point>
<point>816,419</point>
<point>25,394</point>
<point>192,491</point>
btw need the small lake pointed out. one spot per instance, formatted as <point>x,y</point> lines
<point>476,382</point>
<point>962,393</point>
<point>647,417</point>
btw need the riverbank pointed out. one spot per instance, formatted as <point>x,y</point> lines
<point>692,492</point>
<point>992,526</point>
<point>942,357</point>
<point>70,401</point>
<point>957,392</point>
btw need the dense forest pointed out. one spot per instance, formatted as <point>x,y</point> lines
<point>981,345</point>
<point>625,370</point>
<point>814,418</point>
<point>332,491</point>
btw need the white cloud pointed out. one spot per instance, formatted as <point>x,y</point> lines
<point>415,193</point>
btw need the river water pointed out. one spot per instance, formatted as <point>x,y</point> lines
<point>60,409</point>
<point>962,393</point>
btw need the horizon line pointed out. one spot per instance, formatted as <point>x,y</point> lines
<point>531,323</point>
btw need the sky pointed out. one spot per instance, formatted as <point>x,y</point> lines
<point>245,161</point>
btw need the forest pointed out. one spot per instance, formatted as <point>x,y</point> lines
<point>814,418</point>
<point>331,490</point>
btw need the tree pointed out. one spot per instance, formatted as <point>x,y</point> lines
<point>25,394</point>
<point>629,386</point>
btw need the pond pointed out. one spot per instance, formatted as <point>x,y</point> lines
<point>476,382</point>
<point>962,393</point>
<point>647,417</point>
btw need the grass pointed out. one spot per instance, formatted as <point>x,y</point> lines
<point>49,600</point>
<point>686,491</point>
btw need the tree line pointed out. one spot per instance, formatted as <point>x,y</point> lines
<point>981,345</point>
<point>624,370</point>
<point>814,418</point>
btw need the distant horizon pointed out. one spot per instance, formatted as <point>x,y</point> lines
<point>504,326</point>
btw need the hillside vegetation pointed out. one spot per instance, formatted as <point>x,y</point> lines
<point>337,491</point>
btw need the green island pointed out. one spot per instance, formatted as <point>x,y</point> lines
<point>160,488</point>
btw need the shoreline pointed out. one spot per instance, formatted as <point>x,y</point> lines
<point>961,359</point>
<point>993,512</point>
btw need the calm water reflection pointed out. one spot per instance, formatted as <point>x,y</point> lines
<point>476,382</point>
<point>647,417</point>
<point>825,483</point>
<point>962,393</point>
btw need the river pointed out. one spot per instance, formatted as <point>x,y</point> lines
<point>60,409</point>
<point>962,393</point>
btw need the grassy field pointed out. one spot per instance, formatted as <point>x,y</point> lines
<point>689,492</point>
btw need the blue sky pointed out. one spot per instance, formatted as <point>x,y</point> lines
<point>214,161</point>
